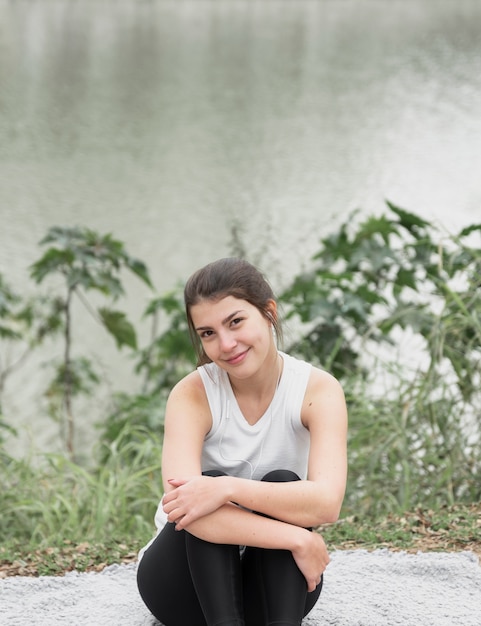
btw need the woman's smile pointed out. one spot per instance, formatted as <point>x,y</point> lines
<point>238,358</point>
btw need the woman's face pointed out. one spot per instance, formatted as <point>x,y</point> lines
<point>234,334</point>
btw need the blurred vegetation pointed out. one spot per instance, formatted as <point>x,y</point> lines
<point>85,261</point>
<point>390,304</point>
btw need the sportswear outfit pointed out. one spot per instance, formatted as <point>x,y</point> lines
<point>186,581</point>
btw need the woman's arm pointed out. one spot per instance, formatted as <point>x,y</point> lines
<point>302,503</point>
<point>230,524</point>
<point>187,422</point>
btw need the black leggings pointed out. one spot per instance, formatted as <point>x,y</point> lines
<point>186,581</point>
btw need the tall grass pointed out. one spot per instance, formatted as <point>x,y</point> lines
<point>409,447</point>
<point>53,499</point>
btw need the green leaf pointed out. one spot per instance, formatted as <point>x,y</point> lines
<point>61,235</point>
<point>322,308</point>
<point>355,307</point>
<point>406,278</point>
<point>408,220</point>
<point>368,295</point>
<point>119,327</point>
<point>372,254</point>
<point>337,245</point>
<point>53,260</point>
<point>107,283</point>
<point>140,269</point>
<point>376,226</point>
<point>417,317</point>
<point>470,229</point>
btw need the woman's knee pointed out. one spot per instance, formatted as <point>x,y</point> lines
<point>214,473</point>
<point>280,476</point>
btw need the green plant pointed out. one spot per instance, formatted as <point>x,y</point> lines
<point>406,448</point>
<point>54,499</point>
<point>380,274</point>
<point>169,355</point>
<point>86,261</point>
<point>25,321</point>
<point>413,421</point>
<point>163,362</point>
<point>135,414</point>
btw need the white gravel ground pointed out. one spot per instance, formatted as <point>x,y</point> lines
<point>361,588</point>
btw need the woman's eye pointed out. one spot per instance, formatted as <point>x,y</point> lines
<point>236,321</point>
<point>205,334</point>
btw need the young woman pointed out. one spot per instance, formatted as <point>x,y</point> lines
<point>254,456</point>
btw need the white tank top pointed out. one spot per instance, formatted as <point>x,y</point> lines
<point>278,440</point>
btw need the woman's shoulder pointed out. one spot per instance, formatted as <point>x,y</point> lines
<point>198,384</point>
<point>324,400</point>
<point>324,380</point>
<point>188,399</point>
<point>190,386</point>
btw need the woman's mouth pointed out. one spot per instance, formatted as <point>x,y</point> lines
<point>238,358</point>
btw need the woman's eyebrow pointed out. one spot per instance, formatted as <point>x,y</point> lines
<point>231,316</point>
<point>224,321</point>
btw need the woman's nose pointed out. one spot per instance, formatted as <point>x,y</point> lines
<point>227,342</point>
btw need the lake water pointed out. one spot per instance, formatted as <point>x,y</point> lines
<point>170,124</point>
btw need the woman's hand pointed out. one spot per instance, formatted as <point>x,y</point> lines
<point>193,498</point>
<point>312,558</point>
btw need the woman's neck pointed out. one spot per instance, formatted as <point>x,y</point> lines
<point>264,384</point>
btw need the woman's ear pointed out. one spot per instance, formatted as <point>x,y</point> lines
<point>271,310</point>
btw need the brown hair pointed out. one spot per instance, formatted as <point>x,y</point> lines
<point>228,277</point>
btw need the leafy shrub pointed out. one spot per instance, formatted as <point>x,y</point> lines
<point>413,417</point>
